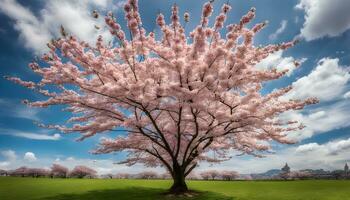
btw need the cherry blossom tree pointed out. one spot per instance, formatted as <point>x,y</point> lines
<point>33,172</point>
<point>181,99</point>
<point>192,176</point>
<point>209,174</point>
<point>59,171</point>
<point>228,175</point>
<point>165,175</point>
<point>21,171</point>
<point>3,172</point>
<point>300,175</point>
<point>37,172</point>
<point>122,175</point>
<point>81,171</point>
<point>147,175</point>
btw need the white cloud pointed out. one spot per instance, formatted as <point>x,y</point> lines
<point>279,31</point>
<point>330,148</point>
<point>276,60</point>
<point>30,157</point>
<point>31,30</point>
<point>324,18</point>
<point>4,165</point>
<point>70,159</point>
<point>9,155</point>
<point>75,16</point>
<point>347,95</point>
<point>29,135</point>
<point>319,120</point>
<point>326,82</point>
<point>307,148</point>
<point>336,147</point>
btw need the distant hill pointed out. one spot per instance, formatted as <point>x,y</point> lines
<point>267,175</point>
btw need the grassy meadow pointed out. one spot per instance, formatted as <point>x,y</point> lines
<point>12,188</point>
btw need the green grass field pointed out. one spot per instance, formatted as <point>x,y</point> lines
<point>96,189</point>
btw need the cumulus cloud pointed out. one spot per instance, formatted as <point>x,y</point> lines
<point>75,16</point>
<point>70,159</point>
<point>326,82</point>
<point>30,157</point>
<point>9,158</point>
<point>330,148</point>
<point>31,30</point>
<point>9,155</point>
<point>277,61</point>
<point>29,135</point>
<point>4,165</point>
<point>308,148</point>
<point>347,95</point>
<point>279,31</point>
<point>319,120</point>
<point>324,18</point>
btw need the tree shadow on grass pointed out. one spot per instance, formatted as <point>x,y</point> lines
<point>134,193</point>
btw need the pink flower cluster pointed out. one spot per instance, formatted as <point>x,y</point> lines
<point>180,100</point>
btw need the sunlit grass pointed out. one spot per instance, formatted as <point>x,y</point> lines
<point>89,189</point>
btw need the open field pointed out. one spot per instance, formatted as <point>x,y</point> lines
<point>95,189</point>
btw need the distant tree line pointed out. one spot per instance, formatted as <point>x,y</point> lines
<point>80,171</point>
<point>56,171</point>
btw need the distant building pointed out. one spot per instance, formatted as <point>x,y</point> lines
<point>346,170</point>
<point>285,172</point>
<point>286,168</point>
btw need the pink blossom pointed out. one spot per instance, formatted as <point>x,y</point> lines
<point>82,171</point>
<point>59,171</point>
<point>179,100</point>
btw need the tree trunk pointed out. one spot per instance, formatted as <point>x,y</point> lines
<point>179,185</point>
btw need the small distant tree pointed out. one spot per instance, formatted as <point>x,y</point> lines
<point>192,176</point>
<point>22,171</point>
<point>109,175</point>
<point>205,175</point>
<point>83,171</point>
<point>3,172</point>
<point>59,171</point>
<point>247,177</point>
<point>37,172</point>
<point>209,174</point>
<point>301,175</point>
<point>337,174</point>
<point>177,98</point>
<point>147,175</point>
<point>228,175</point>
<point>165,175</point>
<point>123,175</point>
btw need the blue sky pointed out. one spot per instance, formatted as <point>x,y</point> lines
<point>323,27</point>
